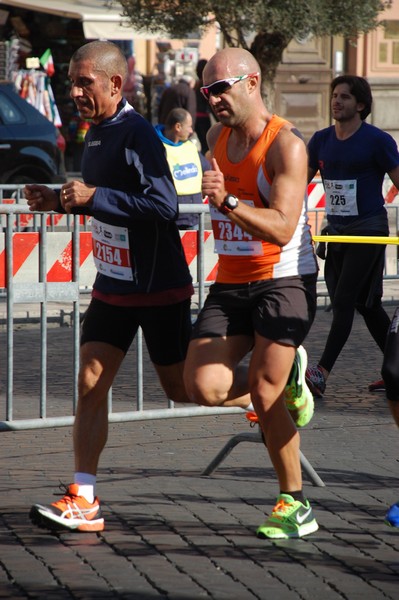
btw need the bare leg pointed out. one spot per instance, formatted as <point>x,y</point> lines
<point>212,379</point>
<point>212,376</point>
<point>171,379</point>
<point>99,364</point>
<point>394,407</point>
<point>269,370</point>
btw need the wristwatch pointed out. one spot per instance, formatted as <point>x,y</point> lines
<point>229,204</point>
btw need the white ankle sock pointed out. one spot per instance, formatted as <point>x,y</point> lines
<point>250,407</point>
<point>87,484</point>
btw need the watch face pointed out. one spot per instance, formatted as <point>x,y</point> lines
<point>231,202</point>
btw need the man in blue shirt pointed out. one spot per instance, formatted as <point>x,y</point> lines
<point>353,158</point>
<point>142,275</point>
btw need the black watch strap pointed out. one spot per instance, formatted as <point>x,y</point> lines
<point>229,204</point>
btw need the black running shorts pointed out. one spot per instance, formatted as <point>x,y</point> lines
<point>281,310</point>
<point>166,329</point>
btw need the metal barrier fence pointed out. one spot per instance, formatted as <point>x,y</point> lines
<point>29,275</point>
<point>25,246</point>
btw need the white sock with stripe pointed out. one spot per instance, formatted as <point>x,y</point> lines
<point>87,484</point>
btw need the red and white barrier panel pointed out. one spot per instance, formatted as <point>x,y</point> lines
<point>190,246</point>
<point>59,250</point>
<point>59,257</point>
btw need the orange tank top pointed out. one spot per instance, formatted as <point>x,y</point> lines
<point>242,256</point>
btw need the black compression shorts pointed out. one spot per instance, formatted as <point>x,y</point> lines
<point>166,329</point>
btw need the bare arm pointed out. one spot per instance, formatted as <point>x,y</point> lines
<point>287,165</point>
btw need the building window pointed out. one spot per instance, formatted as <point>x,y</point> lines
<point>383,52</point>
<point>385,47</point>
<point>391,30</point>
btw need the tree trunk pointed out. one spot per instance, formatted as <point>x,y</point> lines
<point>268,50</point>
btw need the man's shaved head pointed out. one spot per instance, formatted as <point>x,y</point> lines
<point>105,56</point>
<point>230,62</point>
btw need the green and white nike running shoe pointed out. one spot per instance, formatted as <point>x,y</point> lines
<point>298,397</point>
<point>289,519</point>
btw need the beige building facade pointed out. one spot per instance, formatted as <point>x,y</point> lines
<point>302,83</point>
<point>308,66</point>
<point>377,58</point>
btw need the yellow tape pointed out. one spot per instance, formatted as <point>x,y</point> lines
<point>356,239</point>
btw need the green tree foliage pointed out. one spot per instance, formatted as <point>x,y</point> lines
<point>264,27</point>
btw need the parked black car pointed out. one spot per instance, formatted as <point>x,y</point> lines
<point>30,145</point>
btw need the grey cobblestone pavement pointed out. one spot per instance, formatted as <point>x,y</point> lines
<point>171,532</point>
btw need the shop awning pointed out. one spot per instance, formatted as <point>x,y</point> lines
<point>99,21</point>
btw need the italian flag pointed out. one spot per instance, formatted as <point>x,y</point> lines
<point>46,60</point>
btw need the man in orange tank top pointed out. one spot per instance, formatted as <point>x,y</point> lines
<point>264,299</point>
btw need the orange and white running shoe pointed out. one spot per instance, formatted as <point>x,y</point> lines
<point>72,512</point>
